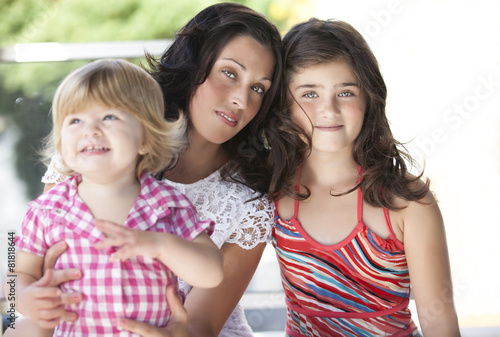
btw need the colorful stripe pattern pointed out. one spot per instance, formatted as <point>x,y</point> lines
<point>358,287</point>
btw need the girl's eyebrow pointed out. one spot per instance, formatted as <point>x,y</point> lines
<point>347,84</point>
<point>308,86</point>
<point>314,86</point>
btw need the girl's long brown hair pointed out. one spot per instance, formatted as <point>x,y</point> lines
<point>382,158</point>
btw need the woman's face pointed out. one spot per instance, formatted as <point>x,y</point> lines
<point>233,92</point>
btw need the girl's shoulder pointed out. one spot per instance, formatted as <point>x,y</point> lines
<point>415,212</point>
<point>418,185</point>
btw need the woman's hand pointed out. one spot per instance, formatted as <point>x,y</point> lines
<point>44,304</point>
<point>49,284</point>
<point>177,324</point>
<point>60,276</point>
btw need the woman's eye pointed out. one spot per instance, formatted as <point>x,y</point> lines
<point>258,89</point>
<point>310,95</point>
<point>229,74</point>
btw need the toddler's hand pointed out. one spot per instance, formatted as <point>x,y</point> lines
<point>132,242</point>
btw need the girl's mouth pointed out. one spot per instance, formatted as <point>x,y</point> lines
<point>330,128</point>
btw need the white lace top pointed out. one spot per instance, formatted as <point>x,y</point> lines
<point>236,221</point>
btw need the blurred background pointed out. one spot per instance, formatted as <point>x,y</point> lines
<point>440,60</point>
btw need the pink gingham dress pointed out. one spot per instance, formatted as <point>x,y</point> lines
<point>134,288</point>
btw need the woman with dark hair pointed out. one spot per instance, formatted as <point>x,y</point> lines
<point>223,72</point>
<point>353,227</point>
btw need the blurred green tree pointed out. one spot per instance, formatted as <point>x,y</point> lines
<point>26,89</point>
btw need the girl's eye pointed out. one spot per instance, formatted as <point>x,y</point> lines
<point>310,95</point>
<point>345,94</point>
<point>74,121</point>
<point>258,89</point>
<point>109,117</point>
<point>229,74</point>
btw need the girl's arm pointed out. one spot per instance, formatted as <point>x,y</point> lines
<point>197,262</point>
<point>428,262</point>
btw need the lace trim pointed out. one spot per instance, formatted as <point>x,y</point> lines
<point>52,175</point>
<point>237,220</point>
<point>254,229</point>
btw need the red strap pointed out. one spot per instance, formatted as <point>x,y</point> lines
<point>360,205</point>
<point>398,243</point>
<point>297,187</point>
<point>360,196</point>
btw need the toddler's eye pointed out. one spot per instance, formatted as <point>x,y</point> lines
<point>109,117</point>
<point>229,74</point>
<point>75,121</point>
<point>311,94</point>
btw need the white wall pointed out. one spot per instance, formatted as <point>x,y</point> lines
<point>441,63</point>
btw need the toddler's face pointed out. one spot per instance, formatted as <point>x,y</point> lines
<point>102,142</point>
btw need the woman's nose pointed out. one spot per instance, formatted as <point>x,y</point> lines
<point>239,97</point>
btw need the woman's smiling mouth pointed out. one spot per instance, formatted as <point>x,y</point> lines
<point>228,117</point>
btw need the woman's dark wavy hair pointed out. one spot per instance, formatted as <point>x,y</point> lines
<point>187,63</point>
<point>381,157</point>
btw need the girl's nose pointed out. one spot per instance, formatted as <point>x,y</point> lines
<point>331,107</point>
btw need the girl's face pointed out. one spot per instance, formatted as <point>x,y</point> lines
<point>233,92</point>
<point>102,142</point>
<point>329,105</point>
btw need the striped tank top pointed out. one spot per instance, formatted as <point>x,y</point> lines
<point>358,287</point>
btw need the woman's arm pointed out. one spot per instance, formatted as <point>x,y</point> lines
<point>48,187</point>
<point>35,300</point>
<point>198,262</point>
<point>428,262</point>
<point>24,325</point>
<point>209,309</point>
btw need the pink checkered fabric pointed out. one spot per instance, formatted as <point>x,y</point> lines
<point>134,288</point>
